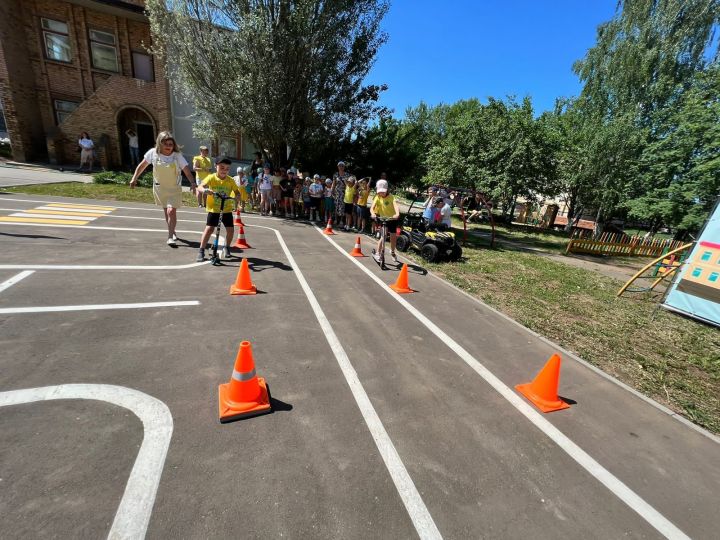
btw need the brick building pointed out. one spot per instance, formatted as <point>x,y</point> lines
<point>68,66</point>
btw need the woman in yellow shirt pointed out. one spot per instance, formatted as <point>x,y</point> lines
<point>384,205</point>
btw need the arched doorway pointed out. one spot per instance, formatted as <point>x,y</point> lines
<point>141,123</point>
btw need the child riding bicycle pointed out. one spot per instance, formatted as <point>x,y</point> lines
<point>222,184</point>
<point>385,206</point>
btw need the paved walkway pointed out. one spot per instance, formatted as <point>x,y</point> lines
<point>21,174</point>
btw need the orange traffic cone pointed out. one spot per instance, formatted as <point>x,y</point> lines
<point>241,242</point>
<point>356,251</point>
<point>238,220</point>
<point>328,229</point>
<point>246,394</point>
<point>243,284</point>
<point>542,392</point>
<point>402,285</point>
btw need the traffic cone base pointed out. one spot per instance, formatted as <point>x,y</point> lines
<point>328,228</point>
<point>230,410</point>
<point>402,286</point>
<point>357,251</point>
<point>542,391</point>
<point>243,283</point>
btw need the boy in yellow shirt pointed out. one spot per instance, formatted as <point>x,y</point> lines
<point>220,182</point>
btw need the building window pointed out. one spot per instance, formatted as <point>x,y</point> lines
<point>227,146</point>
<point>713,277</point>
<point>143,67</point>
<point>697,272</point>
<point>706,256</point>
<point>57,40</point>
<point>103,51</point>
<point>63,109</point>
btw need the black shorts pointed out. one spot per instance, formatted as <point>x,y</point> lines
<point>392,225</point>
<point>349,208</point>
<point>213,218</point>
<point>314,202</point>
<point>287,194</point>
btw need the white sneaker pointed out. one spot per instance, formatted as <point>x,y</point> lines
<point>376,256</point>
<point>226,253</point>
<point>174,237</point>
<point>171,242</point>
<point>394,256</point>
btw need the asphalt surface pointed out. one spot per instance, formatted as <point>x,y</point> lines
<point>312,468</point>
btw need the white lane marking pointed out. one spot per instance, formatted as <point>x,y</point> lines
<point>133,515</point>
<point>16,278</point>
<point>73,209</point>
<point>98,228</point>
<point>98,267</point>
<point>94,307</point>
<point>614,484</point>
<point>52,216</point>
<point>144,209</point>
<point>418,512</point>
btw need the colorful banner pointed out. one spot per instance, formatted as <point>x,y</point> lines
<point>696,291</point>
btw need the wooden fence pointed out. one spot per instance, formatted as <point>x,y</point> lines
<point>622,244</point>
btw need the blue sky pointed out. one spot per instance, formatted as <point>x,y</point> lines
<point>457,49</point>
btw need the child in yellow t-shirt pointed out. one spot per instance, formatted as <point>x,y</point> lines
<point>386,206</point>
<point>202,165</point>
<point>220,182</point>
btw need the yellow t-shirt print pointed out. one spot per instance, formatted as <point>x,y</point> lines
<point>384,206</point>
<point>226,186</point>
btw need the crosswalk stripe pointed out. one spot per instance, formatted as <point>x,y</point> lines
<point>51,216</point>
<point>88,206</point>
<point>43,220</point>
<point>63,213</point>
<point>76,210</point>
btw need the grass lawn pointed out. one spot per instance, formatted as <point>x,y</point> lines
<point>674,360</point>
<point>108,192</point>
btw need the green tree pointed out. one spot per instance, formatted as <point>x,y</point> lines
<point>288,73</point>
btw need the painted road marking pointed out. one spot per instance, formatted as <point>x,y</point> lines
<point>614,484</point>
<point>133,514</point>
<point>38,221</point>
<point>74,211</point>
<point>411,498</point>
<point>13,280</point>
<point>56,214</point>
<point>52,216</point>
<point>94,307</point>
<point>98,267</point>
<point>74,205</point>
<point>64,212</point>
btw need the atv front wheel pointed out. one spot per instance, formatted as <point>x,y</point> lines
<point>456,253</point>
<point>430,252</point>
<point>403,242</point>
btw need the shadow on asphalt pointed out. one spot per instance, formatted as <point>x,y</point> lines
<point>32,236</point>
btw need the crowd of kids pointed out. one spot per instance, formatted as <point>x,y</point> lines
<point>341,198</point>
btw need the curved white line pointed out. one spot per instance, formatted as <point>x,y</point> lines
<point>133,514</point>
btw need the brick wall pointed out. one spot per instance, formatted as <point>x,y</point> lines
<point>39,81</point>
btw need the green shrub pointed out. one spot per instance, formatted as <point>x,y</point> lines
<point>121,178</point>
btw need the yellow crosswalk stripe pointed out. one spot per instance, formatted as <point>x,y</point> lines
<point>43,220</point>
<point>88,206</point>
<point>62,213</point>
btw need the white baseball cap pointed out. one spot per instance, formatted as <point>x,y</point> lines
<point>381,186</point>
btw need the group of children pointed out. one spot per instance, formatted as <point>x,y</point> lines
<point>289,194</point>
